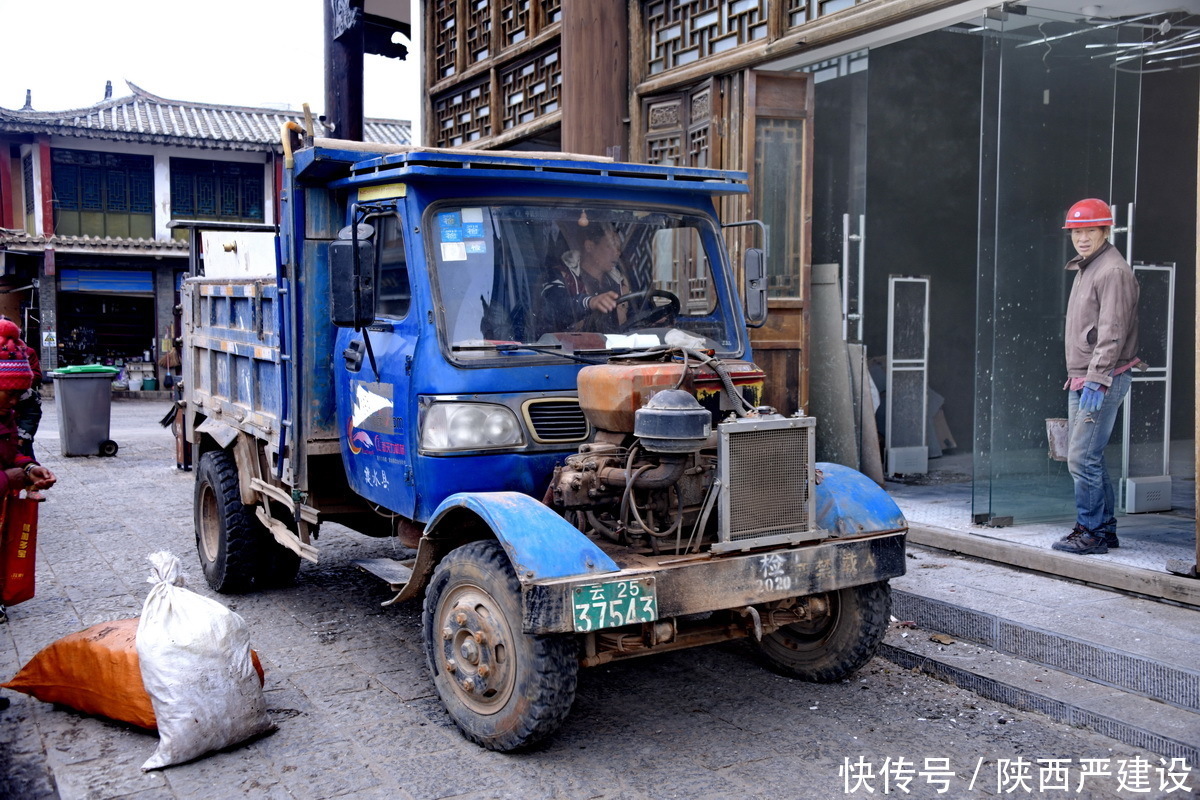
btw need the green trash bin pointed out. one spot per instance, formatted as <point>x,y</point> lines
<point>84,399</point>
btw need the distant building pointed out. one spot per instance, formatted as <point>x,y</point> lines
<point>88,264</point>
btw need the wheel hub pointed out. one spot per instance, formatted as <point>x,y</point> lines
<point>476,648</point>
<point>209,527</point>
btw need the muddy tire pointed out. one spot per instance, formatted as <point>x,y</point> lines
<point>833,646</point>
<point>234,547</point>
<point>505,689</point>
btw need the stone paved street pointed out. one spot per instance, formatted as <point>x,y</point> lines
<point>357,717</point>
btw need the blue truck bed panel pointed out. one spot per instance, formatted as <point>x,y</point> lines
<point>232,367</point>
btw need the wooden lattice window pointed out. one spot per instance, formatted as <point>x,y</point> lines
<point>515,21</point>
<point>679,33</point>
<point>102,194</point>
<point>216,190</point>
<point>551,11</point>
<point>463,115</point>
<point>479,30</point>
<point>444,25</point>
<point>802,11</point>
<point>530,88</point>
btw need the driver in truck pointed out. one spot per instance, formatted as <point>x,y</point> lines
<point>580,294</point>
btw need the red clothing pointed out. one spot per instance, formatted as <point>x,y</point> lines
<point>10,456</point>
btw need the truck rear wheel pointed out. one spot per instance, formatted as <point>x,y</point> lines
<point>503,688</point>
<point>236,551</point>
<point>834,645</point>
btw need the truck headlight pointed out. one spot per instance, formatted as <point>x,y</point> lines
<point>469,426</point>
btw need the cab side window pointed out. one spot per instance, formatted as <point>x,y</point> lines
<point>395,291</point>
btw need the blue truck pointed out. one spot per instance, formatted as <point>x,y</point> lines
<point>534,372</point>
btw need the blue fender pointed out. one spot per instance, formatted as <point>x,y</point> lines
<point>540,544</point>
<point>849,503</point>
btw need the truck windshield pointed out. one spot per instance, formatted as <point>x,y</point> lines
<point>577,281</point>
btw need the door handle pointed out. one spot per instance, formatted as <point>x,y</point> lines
<point>354,355</point>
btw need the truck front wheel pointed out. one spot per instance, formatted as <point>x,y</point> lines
<point>232,543</point>
<point>503,688</point>
<point>835,644</point>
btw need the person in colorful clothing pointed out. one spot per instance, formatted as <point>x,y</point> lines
<point>29,407</point>
<point>18,472</point>
<point>1101,339</point>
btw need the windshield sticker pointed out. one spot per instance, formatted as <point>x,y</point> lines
<point>452,234</point>
<point>472,215</point>
<point>373,406</point>
<point>450,219</point>
<point>453,251</point>
<point>473,230</point>
<point>474,248</point>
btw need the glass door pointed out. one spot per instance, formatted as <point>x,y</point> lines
<point>1059,123</point>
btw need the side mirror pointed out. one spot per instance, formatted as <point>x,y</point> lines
<point>756,287</point>
<point>352,281</point>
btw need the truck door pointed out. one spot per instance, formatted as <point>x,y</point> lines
<point>376,442</point>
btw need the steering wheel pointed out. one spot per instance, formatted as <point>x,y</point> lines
<point>643,309</point>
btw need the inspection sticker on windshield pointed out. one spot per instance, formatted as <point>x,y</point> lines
<point>612,604</point>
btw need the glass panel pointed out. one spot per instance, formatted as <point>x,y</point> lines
<point>1054,131</point>
<point>512,275</point>
<point>778,167</point>
<point>1147,407</point>
<point>840,172</point>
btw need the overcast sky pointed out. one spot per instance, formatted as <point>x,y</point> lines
<point>233,52</point>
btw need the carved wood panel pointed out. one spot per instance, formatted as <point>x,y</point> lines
<point>443,20</point>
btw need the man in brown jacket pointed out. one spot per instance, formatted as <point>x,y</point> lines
<point>1101,340</point>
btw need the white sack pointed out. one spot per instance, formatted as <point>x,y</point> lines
<point>195,661</point>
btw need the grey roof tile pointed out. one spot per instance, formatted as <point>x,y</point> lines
<point>145,117</point>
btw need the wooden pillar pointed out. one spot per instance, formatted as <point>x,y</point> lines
<point>595,77</point>
<point>343,70</point>
<point>8,209</point>
<point>43,148</point>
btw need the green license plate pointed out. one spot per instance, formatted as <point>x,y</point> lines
<point>610,605</point>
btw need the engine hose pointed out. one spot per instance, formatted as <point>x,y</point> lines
<point>646,529</point>
<point>740,406</point>
<point>601,528</point>
<point>665,474</point>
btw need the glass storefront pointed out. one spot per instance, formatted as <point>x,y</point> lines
<point>953,156</point>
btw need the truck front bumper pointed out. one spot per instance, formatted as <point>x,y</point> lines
<point>692,585</point>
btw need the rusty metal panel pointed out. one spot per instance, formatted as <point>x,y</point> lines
<point>734,582</point>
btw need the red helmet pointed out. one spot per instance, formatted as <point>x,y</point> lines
<point>1090,213</point>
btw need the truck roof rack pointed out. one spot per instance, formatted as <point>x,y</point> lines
<point>351,164</point>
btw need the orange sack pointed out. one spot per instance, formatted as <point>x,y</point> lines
<point>95,671</point>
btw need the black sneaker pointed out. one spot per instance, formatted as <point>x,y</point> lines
<point>1082,542</point>
<point>1109,529</point>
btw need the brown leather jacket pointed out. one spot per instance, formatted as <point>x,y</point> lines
<point>1102,316</point>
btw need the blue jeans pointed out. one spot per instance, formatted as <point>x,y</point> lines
<point>1095,503</point>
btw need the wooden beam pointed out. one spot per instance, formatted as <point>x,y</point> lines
<point>595,76</point>
<point>1114,576</point>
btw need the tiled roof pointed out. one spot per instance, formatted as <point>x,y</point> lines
<point>144,117</point>
<point>23,241</point>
